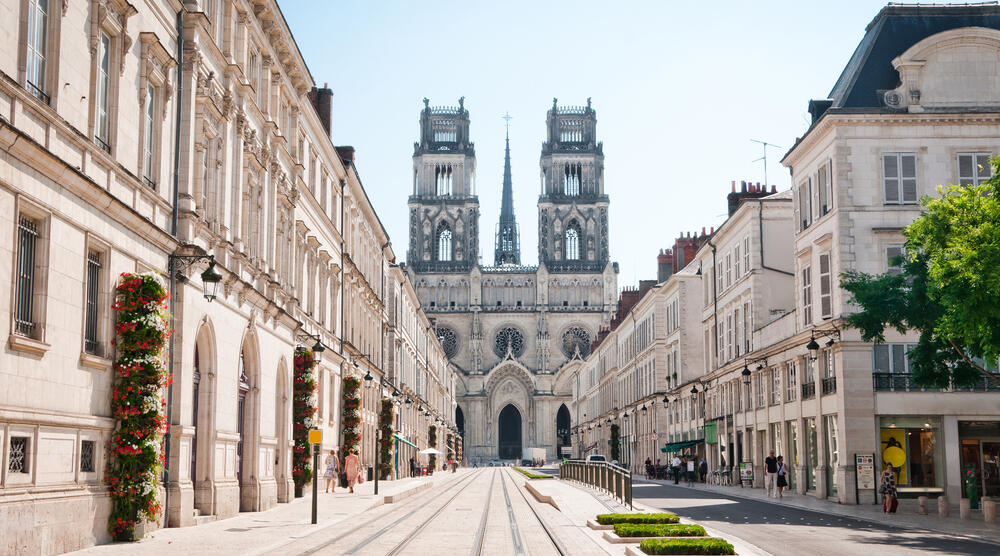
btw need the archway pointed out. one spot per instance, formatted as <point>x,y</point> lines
<point>562,428</point>
<point>203,419</point>
<point>510,433</point>
<point>460,421</point>
<point>243,391</point>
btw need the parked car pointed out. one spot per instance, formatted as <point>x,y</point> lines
<point>496,463</point>
<point>527,463</point>
<point>596,457</point>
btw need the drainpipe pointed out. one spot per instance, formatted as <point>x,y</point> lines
<point>170,262</point>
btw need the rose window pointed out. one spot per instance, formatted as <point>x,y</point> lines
<point>449,341</point>
<point>511,338</point>
<point>576,339</point>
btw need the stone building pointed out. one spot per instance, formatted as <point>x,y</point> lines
<point>126,152</point>
<point>509,328</point>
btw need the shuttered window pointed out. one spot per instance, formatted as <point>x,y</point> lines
<point>807,296</point>
<point>825,295</point>
<point>974,168</point>
<point>899,177</point>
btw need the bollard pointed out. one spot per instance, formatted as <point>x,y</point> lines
<point>943,506</point>
<point>922,505</point>
<point>989,511</point>
<point>964,508</point>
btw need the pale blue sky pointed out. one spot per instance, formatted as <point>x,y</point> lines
<point>680,89</point>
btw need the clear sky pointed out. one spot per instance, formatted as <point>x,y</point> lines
<point>680,89</point>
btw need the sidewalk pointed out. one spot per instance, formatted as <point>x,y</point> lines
<point>905,517</point>
<point>260,532</point>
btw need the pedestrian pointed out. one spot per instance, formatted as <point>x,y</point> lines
<point>690,471</point>
<point>649,468</point>
<point>887,486</point>
<point>352,467</point>
<point>413,467</point>
<point>782,479</point>
<point>703,469</point>
<point>332,469</point>
<point>770,473</point>
<point>675,467</point>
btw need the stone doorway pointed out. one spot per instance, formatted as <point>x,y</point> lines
<point>510,433</point>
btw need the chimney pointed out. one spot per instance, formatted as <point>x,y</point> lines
<point>322,101</point>
<point>346,153</point>
<point>664,265</point>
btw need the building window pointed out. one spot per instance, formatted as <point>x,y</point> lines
<point>894,259</point>
<point>807,296</point>
<point>102,114</point>
<point>443,179</point>
<point>736,261</point>
<point>974,168</point>
<point>25,317</point>
<point>729,269</point>
<point>746,254</point>
<point>443,243</point>
<point>148,142</point>
<point>775,386</point>
<point>87,456</point>
<point>37,43</point>
<point>790,380</point>
<point>253,67</point>
<point>761,388</point>
<point>899,177</point>
<point>572,243</point>
<point>891,358</point>
<point>18,458</point>
<point>572,175</point>
<point>805,204</point>
<point>825,287</point>
<point>91,340</point>
<point>824,188</point>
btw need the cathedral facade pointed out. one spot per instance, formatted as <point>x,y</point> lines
<point>512,330</point>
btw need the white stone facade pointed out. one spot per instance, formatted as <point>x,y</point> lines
<point>88,182</point>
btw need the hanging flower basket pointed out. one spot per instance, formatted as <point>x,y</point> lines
<point>432,442</point>
<point>350,419</point>
<point>303,413</point>
<point>135,460</point>
<point>385,418</point>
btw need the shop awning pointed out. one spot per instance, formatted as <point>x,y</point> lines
<point>677,446</point>
<point>403,440</point>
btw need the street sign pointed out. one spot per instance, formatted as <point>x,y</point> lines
<point>316,436</point>
<point>865,464</point>
<point>746,471</point>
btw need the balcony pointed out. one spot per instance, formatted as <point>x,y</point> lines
<point>829,385</point>
<point>808,390</point>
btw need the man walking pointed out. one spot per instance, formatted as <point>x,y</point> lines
<point>675,466</point>
<point>771,474</point>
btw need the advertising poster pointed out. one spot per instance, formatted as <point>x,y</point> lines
<point>894,452</point>
<point>746,471</point>
<point>865,464</point>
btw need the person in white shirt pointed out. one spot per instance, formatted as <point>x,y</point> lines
<point>675,466</point>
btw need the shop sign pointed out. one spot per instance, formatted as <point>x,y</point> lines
<point>746,471</point>
<point>865,465</point>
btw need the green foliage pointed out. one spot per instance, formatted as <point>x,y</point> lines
<point>611,519</point>
<point>531,475</point>
<point>949,290</point>
<point>686,546</point>
<point>658,530</point>
<point>615,443</point>
<point>432,437</point>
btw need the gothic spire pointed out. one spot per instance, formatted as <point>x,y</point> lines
<point>508,248</point>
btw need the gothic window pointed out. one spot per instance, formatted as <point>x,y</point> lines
<point>573,241</point>
<point>449,341</point>
<point>443,243</point>
<point>511,338</point>
<point>442,179</point>
<point>576,339</point>
<point>572,179</point>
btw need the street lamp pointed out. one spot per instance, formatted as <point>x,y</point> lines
<point>746,375</point>
<point>813,348</point>
<point>210,278</point>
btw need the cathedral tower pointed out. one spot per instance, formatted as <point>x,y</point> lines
<point>508,243</point>
<point>444,209</point>
<point>573,208</point>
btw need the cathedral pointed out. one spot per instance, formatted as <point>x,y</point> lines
<point>511,329</point>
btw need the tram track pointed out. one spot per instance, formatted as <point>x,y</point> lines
<point>477,546</point>
<point>556,543</point>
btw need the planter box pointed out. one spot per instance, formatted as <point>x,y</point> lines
<point>598,527</point>
<point>634,551</point>
<point>612,537</point>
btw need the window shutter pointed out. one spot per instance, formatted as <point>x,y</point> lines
<point>825,295</point>
<point>890,176</point>
<point>966,175</point>
<point>909,177</point>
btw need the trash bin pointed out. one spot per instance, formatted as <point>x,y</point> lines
<point>971,486</point>
<point>371,473</point>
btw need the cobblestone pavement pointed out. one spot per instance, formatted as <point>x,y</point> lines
<point>781,528</point>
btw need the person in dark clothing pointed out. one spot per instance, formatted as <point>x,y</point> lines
<point>703,469</point>
<point>771,475</point>
<point>413,467</point>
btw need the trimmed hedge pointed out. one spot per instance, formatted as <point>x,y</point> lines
<point>658,530</point>
<point>686,546</point>
<point>531,475</point>
<point>611,519</point>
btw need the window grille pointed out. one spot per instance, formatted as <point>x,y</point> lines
<point>87,456</point>
<point>18,458</point>
<point>24,315</point>
<point>91,343</point>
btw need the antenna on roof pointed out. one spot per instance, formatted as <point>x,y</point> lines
<point>764,158</point>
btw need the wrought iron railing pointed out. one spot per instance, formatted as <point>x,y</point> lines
<point>904,382</point>
<point>829,385</point>
<point>614,480</point>
<point>808,390</point>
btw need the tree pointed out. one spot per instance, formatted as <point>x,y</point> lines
<point>948,290</point>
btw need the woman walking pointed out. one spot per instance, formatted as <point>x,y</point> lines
<point>782,480</point>
<point>887,486</point>
<point>352,467</point>
<point>332,468</point>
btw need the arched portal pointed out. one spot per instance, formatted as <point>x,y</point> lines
<point>562,427</point>
<point>510,433</point>
<point>460,421</point>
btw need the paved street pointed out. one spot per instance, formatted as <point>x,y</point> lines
<point>781,529</point>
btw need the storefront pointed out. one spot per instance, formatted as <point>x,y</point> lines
<point>980,443</point>
<point>915,448</point>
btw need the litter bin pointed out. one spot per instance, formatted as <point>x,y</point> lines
<point>971,486</point>
<point>371,473</point>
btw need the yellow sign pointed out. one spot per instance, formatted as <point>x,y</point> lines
<point>894,452</point>
<point>316,436</point>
